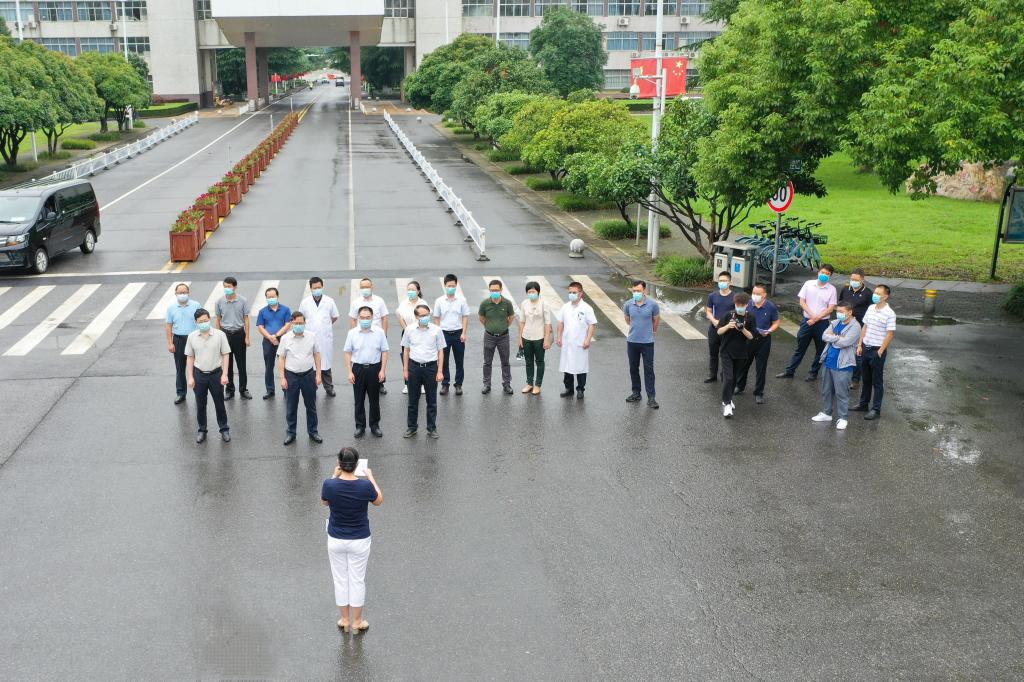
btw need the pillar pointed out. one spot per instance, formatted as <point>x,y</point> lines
<point>262,69</point>
<point>251,79</point>
<point>356,77</point>
<point>410,65</point>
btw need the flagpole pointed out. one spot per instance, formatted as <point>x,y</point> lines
<point>659,109</point>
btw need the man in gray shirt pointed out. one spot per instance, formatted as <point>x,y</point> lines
<point>207,354</point>
<point>233,319</point>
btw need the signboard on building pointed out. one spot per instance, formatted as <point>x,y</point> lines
<point>642,72</point>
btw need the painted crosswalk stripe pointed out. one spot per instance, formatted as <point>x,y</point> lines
<point>43,329</point>
<point>548,294</point>
<point>159,311</point>
<point>504,291</point>
<point>101,322</point>
<point>260,299</point>
<point>458,289</point>
<point>211,300</point>
<point>606,305</point>
<point>400,284</point>
<point>4,290</point>
<point>678,322</point>
<point>15,311</point>
<point>788,326</point>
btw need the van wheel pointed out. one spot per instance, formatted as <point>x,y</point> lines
<point>40,261</point>
<point>88,245</point>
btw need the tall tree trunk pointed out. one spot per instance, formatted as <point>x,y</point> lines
<point>624,212</point>
<point>103,118</point>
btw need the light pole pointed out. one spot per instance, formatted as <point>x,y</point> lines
<point>124,27</point>
<point>653,219</point>
<point>497,22</point>
<point>17,13</point>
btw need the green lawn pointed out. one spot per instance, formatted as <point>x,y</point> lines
<point>77,130</point>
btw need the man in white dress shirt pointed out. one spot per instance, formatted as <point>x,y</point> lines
<point>377,305</point>
<point>366,358</point>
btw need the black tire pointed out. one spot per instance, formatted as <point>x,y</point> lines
<point>40,261</point>
<point>88,244</point>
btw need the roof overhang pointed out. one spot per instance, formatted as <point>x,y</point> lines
<point>299,23</point>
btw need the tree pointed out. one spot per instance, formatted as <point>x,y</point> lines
<point>493,119</point>
<point>591,175</point>
<point>117,84</point>
<point>73,97</point>
<point>26,98</point>
<point>502,68</point>
<point>431,85</point>
<point>534,117</point>
<point>231,66</point>
<point>721,10</point>
<point>5,30</point>
<point>602,127</point>
<point>568,46</point>
<point>383,67</point>
<point>140,65</point>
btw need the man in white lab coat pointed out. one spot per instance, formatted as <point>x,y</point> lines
<point>576,326</point>
<point>321,312</point>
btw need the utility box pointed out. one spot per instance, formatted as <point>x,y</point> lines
<point>739,260</point>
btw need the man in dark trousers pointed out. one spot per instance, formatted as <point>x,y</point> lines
<point>857,294</point>
<point>366,359</point>
<point>300,373</point>
<point>719,304</point>
<point>207,355</point>
<point>233,319</point>
<point>735,330</point>
<point>766,319</point>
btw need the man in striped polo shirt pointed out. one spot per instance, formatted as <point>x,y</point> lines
<point>875,336</point>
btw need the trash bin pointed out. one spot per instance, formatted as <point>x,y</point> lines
<point>739,260</point>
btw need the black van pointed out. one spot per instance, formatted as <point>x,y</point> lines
<point>38,223</point>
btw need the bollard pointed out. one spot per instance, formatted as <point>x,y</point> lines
<point>929,301</point>
<point>576,248</point>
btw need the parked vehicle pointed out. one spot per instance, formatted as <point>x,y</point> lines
<point>39,223</point>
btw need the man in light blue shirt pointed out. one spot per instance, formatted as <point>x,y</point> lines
<point>643,317</point>
<point>180,322</point>
<point>366,359</point>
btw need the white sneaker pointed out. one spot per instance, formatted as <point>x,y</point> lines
<point>423,390</point>
<point>727,410</point>
<point>821,417</point>
<point>841,425</point>
<point>405,389</point>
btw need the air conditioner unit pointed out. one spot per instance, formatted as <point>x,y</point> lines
<point>634,55</point>
<point>114,26</point>
<point>684,21</point>
<point>622,21</point>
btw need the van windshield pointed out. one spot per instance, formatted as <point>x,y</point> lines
<point>18,209</point>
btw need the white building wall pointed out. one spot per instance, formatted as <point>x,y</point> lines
<point>175,49</point>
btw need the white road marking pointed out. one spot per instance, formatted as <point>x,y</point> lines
<point>786,325</point>
<point>4,290</point>
<point>400,284</point>
<point>211,300</point>
<point>125,273</point>
<point>504,292</point>
<point>260,299</point>
<point>678,322</point>
<point>548,294</point>
<point>43,329</point>
<point>15,311</point>
<point>351,201</point>
<point>101,322</point>
<point>605,304</point>
<point>353,291</point>
<point>159,311</point>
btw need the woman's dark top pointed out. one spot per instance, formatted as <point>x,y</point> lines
<point>734,343</point>
<point>348,500</point>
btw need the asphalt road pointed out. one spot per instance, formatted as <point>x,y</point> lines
<point>538,538</point>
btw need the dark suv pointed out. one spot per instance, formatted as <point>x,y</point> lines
<point>38,223</point>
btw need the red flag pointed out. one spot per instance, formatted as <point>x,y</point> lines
<point>675,75</point>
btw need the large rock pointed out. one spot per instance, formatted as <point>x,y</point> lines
<point>973,183</point>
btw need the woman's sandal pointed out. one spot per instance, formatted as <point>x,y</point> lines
<point>361,628</point>
<point>343,626</point>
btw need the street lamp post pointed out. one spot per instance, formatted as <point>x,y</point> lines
<point>653,218</point>
<point>20,21</point>
<point>124,27</point>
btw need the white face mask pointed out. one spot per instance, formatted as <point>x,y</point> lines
<point>756,298</point>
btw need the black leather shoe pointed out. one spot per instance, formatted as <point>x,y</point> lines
<point>229,395</point>
<point>710,380</point>
<point>359,433</point>
<point>652,403</point>
<point>738,391</point>
<point>409,433</point>
<point>330,392</point>
<point>179,400</point>
<point>579,394</point>
<point>201,437</point>
<point>783,375</point>
<point>566,393</point>
<point>268,396</point>
<point>872,415</point>
<point>289,439</point>
<point>633,398</point>
<point>444,390</point>
<point>383,389</point>
<point>377,432</point>
<point>485,390</point>
<point>458,390</point>
<point>759,399</point>
<point>315,437</point>
<point>225,436</point>
<point>859,408</point>
<point>507,390</point>
<point>246,394</point>
<point>811,377</point>
<point>432,434</point>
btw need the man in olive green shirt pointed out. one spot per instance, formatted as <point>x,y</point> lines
<point>496,315</point>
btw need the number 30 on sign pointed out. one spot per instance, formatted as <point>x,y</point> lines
<point>782,199</point>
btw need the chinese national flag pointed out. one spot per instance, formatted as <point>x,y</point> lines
<point>675,75</point>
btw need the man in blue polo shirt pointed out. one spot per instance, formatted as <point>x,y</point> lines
<point>643,317</point>
<point>180,322</point>
<point>720,304</point>
<point>273,322</point>
<point>766,317</point>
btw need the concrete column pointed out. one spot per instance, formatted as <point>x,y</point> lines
<point>357,71</point>
<point>262,69</point>
<point>251,79</point>
<point>410,65</point>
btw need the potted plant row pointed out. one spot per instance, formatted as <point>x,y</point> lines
<point>185,236</point>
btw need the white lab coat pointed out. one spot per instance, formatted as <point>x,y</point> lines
<point>576,319</point>
<point>318,321</point>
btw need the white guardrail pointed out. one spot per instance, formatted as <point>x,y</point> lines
<point>464,219</point>
<point>97,163</point>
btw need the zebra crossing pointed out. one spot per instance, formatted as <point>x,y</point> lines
<point>72,320</point>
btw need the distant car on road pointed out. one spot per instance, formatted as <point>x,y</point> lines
<point>339,82</point>
<point>38,223</point>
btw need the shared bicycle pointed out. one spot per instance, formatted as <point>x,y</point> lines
<point>798,243</point>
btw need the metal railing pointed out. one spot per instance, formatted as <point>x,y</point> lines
<point>115,156</point>
<point>464,219</point>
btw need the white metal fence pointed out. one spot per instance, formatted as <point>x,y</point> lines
<point>464,219</point>
<point>115,156</point>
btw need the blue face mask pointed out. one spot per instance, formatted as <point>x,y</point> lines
<point>495,295</point>
<point>204,326</point>
<point>182,298</point>
<point>875,298</point>
<point>412,295</point>
<point>450,291</point>
<point>298,328</point>
<point>722,286</point>
<point>741,309</point>
<point>856,284</point>
<point>271,302</point>
<point>228,291</point>
<point>822,277</point>
<point>317,293</point>
<point>365,324</point>
<point>424,321</point>
<point>638,296</point>
<point>841,317</point>
<point>573,296</point>
<point>366,292</point>
<point>532,296</point>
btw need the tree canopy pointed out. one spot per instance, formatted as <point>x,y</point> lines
<point>431,86</point>
<point>602,127</point>
<point>500,68</point>
<point>568,47</point>
<point>280,60</point>
<point>382,66</point>
<point>26,98</point>
<point>493,119</point>
<point>71,98</point>
<point>117,84</point>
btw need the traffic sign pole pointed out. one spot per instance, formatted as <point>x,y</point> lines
<point>775,256</point>
<point>779,203</point>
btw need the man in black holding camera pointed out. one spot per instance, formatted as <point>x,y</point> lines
<point>735,330</point>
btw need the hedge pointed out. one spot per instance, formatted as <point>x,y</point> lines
<point>571,202</point>
<point>482,146</point>
<point>138,123</point>
<point>462,131</point>
<point>111,136</point>
<point>521,170</point>
<point>644,105</point>
<point>683,272</point>
<point>620,229</point>
<point>543,184</point>
<point>171,109</point>
<point>1014,303</point>
<point>502,155</point>
<point>77,143</point>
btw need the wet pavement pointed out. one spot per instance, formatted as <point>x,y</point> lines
<point>538,538</point>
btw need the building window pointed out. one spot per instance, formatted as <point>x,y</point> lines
<point>403,9</point>
<point>203,10</point>
<point>593,8</point>
<point>65,45</point>
<point>138,44</point>
<point>616,79</point>
<point>97,44</point>
<point>516,40</point>
<point>55,11</point>
<point>514,8</point>
<point>541,6</point>
<point>690,38</point>
<point>478,8</point>
<point>622,41</point>
<point>694,8</point>
<point>94,11</point>
<point>623,8</point>
<point>9,13</point>
<point>134,10</point>
<point>650,45</point>
<point>668,8</point>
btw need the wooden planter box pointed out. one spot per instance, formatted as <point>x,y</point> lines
<point>234,192</point>
<point>184,246</point>
<point>210,216</point>
<point>201,234</point>
<point>250,174</point>
<point>223,205</point>
<point>244,184</point>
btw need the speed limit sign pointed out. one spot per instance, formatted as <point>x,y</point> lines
<point>782,199</point>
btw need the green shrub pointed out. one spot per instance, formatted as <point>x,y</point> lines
<point>482,146</point>
<point>462,131</point>
<point>643,105</point>
<point>502,155</point>
<point>138,123</point>
<point>111,136</point>
<point>448,123</point>
<point>168,109</point>
<point>521,170</point>
<point>58,156</point>
<point>1014,303</point>
<point>19,167</point>
<point>543,184</point>
<point>77,143</point>
<point>571,202</point>
<point>620,229</point>
<point>683,272</point>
